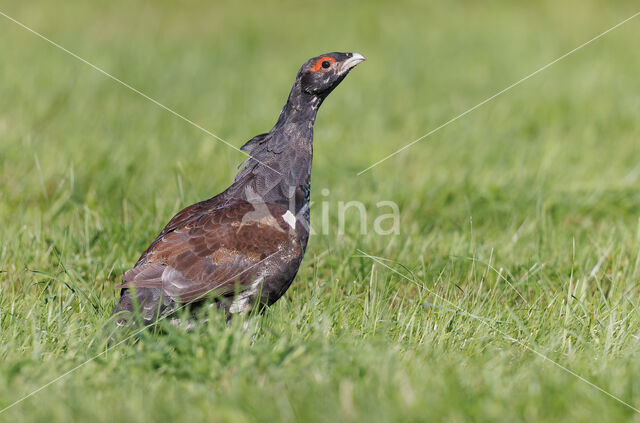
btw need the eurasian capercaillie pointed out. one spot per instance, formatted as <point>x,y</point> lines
<point>243,246</point>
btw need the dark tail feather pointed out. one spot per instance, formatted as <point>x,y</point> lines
<point>143,306</point>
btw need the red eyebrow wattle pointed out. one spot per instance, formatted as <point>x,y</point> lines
<point>319,62</point>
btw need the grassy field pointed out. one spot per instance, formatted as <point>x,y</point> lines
<point>519,233</point>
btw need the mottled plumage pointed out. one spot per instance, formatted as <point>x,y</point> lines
<point>243,246</point>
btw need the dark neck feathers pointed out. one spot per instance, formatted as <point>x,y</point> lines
<point>301,108</point>
<point>278,169</point>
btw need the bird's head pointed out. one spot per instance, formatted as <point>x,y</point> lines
<point>321,74</point>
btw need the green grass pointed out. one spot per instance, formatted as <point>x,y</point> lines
<point>519,222</point>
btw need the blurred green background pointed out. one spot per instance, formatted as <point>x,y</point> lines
<point>523,213</point>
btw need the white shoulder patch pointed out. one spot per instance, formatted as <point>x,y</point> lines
<point>290,219</point>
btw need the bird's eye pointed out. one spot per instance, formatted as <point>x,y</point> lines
<point>324,62</point>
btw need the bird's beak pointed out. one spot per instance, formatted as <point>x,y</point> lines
<point>352,61</point>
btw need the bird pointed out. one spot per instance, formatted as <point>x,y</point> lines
<point>242,248</point>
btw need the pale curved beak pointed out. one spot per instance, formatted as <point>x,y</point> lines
<point>352,61</point>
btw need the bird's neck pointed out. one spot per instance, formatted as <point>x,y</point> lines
<point>279,169</point>
<point>300,110</point>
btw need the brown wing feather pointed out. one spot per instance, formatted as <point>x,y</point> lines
<point>183,218</point>
<point>215,253</point>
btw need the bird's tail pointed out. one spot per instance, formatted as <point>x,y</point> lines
<point>142,306</point>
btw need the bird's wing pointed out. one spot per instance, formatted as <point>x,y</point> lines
<point>254,142</point>
<point>217,253</point>
<point>182,219</point>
